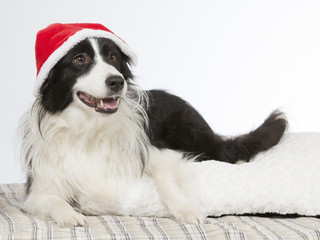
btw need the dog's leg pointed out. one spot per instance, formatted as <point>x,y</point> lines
<point>46,205</point>
<point>163,168</point>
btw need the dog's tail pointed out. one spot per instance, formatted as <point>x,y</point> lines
<point>246,146</point>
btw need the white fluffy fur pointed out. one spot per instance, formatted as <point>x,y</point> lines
<point>283,180</point>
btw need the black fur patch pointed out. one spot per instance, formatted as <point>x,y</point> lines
<point>56,91</point>
<point>175,124</point>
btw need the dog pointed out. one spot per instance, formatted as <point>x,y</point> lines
<point>91,125</point>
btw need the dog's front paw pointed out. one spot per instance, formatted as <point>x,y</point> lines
<point>190,214</point>
<point>71,218</point>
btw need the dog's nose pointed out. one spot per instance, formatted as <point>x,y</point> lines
<point>115,83</point>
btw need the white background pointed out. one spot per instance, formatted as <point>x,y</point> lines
<point>235,61</point>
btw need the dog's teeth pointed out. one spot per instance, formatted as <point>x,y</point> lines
<point>118,100</point>
<point>101,102</point>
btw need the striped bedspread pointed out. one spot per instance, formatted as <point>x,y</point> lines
<point>16,224</point>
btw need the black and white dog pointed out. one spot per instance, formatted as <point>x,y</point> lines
<point>91,126</point>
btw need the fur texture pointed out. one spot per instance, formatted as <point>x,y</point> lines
<point>92,131</point>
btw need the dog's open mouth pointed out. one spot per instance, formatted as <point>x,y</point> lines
<point>102,105</point>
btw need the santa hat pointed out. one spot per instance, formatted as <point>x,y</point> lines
<point>56,40</point>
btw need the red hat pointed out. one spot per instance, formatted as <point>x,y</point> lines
<point>57,39</point>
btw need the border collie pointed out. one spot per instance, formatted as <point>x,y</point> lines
<point>91,125</point>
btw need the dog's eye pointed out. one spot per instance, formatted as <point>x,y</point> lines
<point>80,59</point>
<point>113,57</point>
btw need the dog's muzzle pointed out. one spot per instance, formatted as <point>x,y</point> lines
<point>110,104</point>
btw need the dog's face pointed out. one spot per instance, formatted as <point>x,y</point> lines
<point>94,75</point>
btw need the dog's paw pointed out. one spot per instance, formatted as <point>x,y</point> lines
<point>191,215</point>
<point>71,219</point>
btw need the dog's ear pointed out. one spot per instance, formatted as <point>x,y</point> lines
<point>126,67</point>
<point>45,87</point>
<point>55,91</point>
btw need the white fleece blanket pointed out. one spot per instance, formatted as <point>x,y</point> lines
<point>284,180</point>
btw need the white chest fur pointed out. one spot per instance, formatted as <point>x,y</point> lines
<point>81,158</point>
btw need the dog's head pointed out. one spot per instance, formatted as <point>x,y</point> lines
<point>94,74</point>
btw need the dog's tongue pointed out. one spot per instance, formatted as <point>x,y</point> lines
<point>108,103</point>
